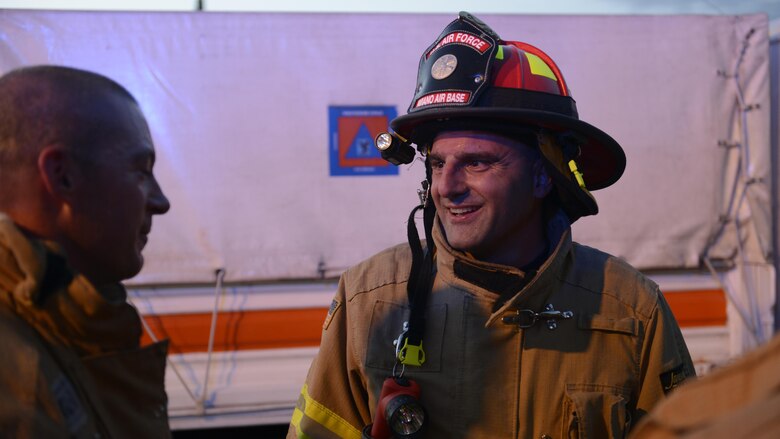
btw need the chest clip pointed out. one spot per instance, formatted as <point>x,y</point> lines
<point>526,318</point>
<point>406,352</point>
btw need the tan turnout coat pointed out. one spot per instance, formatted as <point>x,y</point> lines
<point>592,376</point>
<point>70,360</point>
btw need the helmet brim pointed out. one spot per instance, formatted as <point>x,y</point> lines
<point>601,161</point>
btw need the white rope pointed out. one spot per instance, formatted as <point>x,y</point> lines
<point>168,360</point>
<point>740,311</point>
<point>201,404</point>
<point>751,320</point>
<point>757,327</point>
<point>748,183</point>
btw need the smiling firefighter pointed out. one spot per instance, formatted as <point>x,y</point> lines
<point>501,325</point>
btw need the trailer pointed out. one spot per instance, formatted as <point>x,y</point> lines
<point>263,123</point>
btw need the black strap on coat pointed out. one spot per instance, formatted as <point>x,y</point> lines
<point>421,275</point>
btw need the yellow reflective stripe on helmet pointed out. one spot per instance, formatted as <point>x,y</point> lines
<point>539,67</point>
<point>323,416</point>
<point>577,174</point>
<point>500,53</point>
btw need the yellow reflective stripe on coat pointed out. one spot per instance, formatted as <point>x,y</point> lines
<point>312,410</point>
<point>296,422</point>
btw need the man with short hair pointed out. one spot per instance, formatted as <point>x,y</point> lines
<point>76,205</point>
<point>502,327</point>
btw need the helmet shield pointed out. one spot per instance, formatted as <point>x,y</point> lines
<point>453,70</point>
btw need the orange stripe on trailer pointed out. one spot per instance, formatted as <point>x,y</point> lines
<point>698,307</point>
<point>290,328</point>
<point>239,330</point>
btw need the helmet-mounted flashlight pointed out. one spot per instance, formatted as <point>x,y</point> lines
<point>394,148</point>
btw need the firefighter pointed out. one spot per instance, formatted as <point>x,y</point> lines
<point>76,205</point>
<point>500,325</point>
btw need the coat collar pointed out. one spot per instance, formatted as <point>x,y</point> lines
<point>64,307</point>
<point>509,287</point>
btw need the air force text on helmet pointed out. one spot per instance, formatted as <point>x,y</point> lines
<point>463,38</point>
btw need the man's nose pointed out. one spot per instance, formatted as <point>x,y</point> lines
<point>450,181</point>
<point>158,202</point>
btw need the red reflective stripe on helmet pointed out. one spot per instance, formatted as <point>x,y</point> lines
<point>538,52</point>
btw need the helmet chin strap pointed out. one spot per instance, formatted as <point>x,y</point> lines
<point>420,283</point>
<point>418,288</point>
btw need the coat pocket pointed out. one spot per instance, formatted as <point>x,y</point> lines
<point>596,322</point>
<point>595,411</point>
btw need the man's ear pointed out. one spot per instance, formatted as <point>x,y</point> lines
<point>57,171</point>
<point>542,180</point>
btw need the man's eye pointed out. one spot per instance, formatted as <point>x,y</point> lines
<point>144,169</point>
<point>437,164</point>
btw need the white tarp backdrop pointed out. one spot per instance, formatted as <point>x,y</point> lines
<point>238,106</point>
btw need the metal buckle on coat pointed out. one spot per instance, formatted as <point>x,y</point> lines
<point>424,193</point>
<point>526,318</point>
<point>398,343</point>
